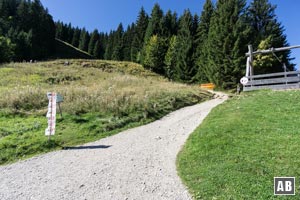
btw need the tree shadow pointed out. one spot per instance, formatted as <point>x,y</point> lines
<point>87,147</point>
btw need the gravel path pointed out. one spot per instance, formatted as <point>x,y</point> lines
<point>135,164</point>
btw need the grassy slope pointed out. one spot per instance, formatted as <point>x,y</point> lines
<point>242,145</point>
<point>100,99</point>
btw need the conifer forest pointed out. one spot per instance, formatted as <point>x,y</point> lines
<point>208,46</point>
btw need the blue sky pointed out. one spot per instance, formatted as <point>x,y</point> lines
<point>105,15</point>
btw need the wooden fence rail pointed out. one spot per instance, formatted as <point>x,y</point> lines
<point>282,80</point>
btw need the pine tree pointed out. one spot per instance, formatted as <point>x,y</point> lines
<point>23,16</point>
<point>70,33</point>
<point>6,49</point>
<point>23,46</point>
<point>200,39</point>
<point>226,44</point>
<point>184,68</point>
<point>264,26</point>
<point>155,23</point>
<point>127,42</point>
<point>84,40</point>
<point>139,34</point>
<point>92,42</point>
<point>43,31</point>
<point>154,28</point>
<point>117,52</point>
<point>98,50</point>
<point>170,58</point>
<point>59,30</point>
<point>76,37</point>
<point>102,44</point>
<point>169,24</point>
<point>154,54</point>
<point>4,16</point>
<point>109,46</point>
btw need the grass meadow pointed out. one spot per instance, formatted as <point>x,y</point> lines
<point>100,99</point>
<point>242,145</point>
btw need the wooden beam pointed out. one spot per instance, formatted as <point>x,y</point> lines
<point>295,73</point>
<point>271,50</point>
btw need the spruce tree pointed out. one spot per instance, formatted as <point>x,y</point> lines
<point>139,34</point>
<point>117,52</point>
<point>155,23</point>
<point>200,39</point>
<point>76,37</point>
<point>154,28</point>
<point>170,58</point>
<point>127,42</point>
<point>264,26</point>
<point>169,24</point>
<point>92,42</point>
<point>109,46</point>
<point>98,50</point>
<point>84,40</point>
<point>154,54</point>
<point>184,68</point>
<point>6,49</point>
<point>23,16</point>
<point>43,31</point>
<point>226,44</point>
<point>58,30</point>
<point>70,33</point>
<point>102,44</point>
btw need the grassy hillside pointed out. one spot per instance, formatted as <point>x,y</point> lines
<point>100,99</point>
<point>242,145</point>
<point>65,50</point>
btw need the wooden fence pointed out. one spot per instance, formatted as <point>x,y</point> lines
<point>282,80</point>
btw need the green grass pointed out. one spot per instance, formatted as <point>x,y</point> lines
<point>242,145</point>
<point>101,98</point>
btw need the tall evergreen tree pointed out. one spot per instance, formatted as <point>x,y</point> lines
<point>70,33</point>
<point>169,24</point>
<point>84,40</point>
<point>155,23</point>
<point>76,37</point>
<point>23,16</point>
<point>43,31</point>
<point>109,46</point>
<point>226,44</point>
<point>200,39</point>
<point>170,58</point>
<point>98,50</point>
<point>4,16</point>
<point>59,30</point>
<point>154,54</point>
<point>264,26</point>
<point>92,42</point>
<point>6,49</point>
<point>154,28</point>
<point>184,68</point>
<point>139,35</point>
<point>127,42</point>
<point>117,52</point>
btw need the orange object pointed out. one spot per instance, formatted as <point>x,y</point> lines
<point>208,86</point>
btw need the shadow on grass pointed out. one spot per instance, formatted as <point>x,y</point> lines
<point>87,147</point>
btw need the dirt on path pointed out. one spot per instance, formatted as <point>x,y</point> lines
<point>135,164</point>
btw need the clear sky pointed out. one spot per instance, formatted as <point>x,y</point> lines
<point>105,15</point>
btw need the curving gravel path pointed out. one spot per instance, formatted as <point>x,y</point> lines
<point>135,164</point>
